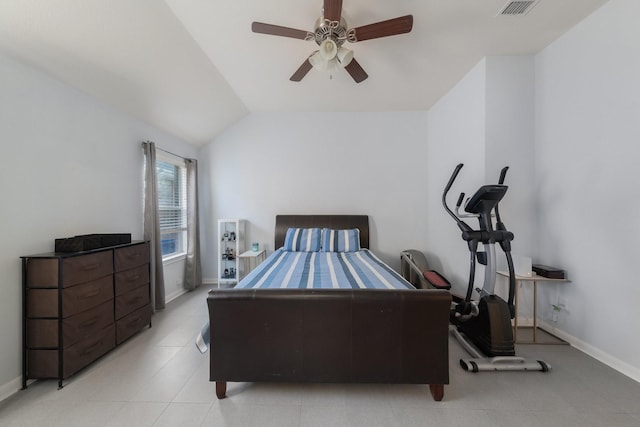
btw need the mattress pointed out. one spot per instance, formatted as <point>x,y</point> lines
<point>326,270</point>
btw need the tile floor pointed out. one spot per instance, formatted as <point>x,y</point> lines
<point>158,378</point>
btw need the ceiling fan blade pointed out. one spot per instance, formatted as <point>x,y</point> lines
<point>277,30</point>
<point>356,71</point>
<point>332,10</point>
<point>391,27</point>
<point>302,71</point>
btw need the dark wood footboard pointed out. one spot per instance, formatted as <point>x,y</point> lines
<point>337,335</point>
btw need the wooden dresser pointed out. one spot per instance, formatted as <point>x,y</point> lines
<point>78,306</point>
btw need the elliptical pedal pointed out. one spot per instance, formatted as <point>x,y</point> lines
<point>504,363</point>
<point>479,362</point>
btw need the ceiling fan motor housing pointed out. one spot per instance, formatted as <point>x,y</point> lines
<point>337,31</point>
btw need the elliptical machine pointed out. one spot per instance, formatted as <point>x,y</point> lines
<point>484,327</point>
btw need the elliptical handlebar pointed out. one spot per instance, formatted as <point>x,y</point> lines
<point>473,237</point>
<point>503,174</point>
<point>506,247</point>
<point>454,175</point>
<point>499,224</point>
<point>461,224</point>
<point>464,308</point>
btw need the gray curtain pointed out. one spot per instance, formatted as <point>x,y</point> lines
<point>192,269</point>
<point>152,225</point>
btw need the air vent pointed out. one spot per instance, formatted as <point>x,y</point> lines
<point>516,8</point>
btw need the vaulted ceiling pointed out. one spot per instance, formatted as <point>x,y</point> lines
<point>194,67</point>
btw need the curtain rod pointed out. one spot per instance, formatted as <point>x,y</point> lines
<point>169,152</point>
<point>173,154</point>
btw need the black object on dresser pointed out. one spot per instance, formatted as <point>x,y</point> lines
<point>78,306</point>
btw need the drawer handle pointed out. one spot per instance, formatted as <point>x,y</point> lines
<point>92,293</point>
<point>133,278</point>
<point>91,348</point>
<point>134,322</point>
<point>90,266</point>
<point>87,323</point>
<point>135,300</point>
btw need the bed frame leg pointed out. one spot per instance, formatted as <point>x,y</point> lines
<point>437,391</point>
<point>221,389</point>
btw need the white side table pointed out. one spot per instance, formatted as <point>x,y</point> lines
<point>252,258</point>
<point>534,279</point>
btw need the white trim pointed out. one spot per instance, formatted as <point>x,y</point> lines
<point>9,389</point>
<point>167,157</point>
<point>174,258</point>
<point>598,354</point>
<point>174,295</point>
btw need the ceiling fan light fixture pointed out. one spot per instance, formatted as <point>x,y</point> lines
<point>328,49</point>
<point>332,66</point>
<point>344,56</point>
<point>316,59</point>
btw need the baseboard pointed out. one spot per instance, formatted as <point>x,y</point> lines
<point>525,322</point>
<point>10,388</point>
<point>602,356</point>
<point>174,295</point>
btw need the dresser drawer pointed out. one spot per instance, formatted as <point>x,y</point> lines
<point>87,295</point>
<point>131,301</point>
<point>132,323</point>
<point>76,299</point>
<point>131,256</point>
<point>44,363</point>
<point>42,303</point>
<point>43,333</point>
<point>86,324</point>
<point>42,273</point>
<point>84,268</point>
<point>86,351</point>
<point>130,279</point>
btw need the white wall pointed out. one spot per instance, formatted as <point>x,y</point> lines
<point>456,134</point>
<point>587,153</point>
<point>332,163</point>
<point>70,166</point>
<point>486,122</point>
<point>510,123</point>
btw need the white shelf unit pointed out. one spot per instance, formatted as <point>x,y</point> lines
<point>230,245</point>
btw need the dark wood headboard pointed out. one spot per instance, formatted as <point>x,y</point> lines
<point>283,222</point>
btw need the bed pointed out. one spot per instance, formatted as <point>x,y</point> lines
<point>288,328</point>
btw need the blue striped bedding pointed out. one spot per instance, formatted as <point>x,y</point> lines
<point>328,270</point>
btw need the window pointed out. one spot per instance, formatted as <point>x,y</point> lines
<point>172,201</point>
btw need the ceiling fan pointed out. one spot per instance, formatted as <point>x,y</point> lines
<point>331,32</point>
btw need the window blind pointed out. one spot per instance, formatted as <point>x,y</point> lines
<point>172,196</point>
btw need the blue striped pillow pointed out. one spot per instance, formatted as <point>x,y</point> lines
<point>302,240</point>
<point>340,240</point>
